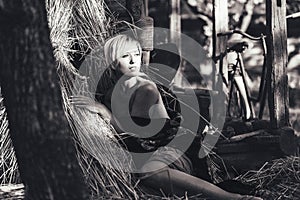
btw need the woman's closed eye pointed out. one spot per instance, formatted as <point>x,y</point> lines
<point>125,55</point>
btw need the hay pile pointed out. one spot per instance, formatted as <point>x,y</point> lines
<point>77,28</point>
<point>8,163</point>
<point>12,191</point>
<point>278,179</point>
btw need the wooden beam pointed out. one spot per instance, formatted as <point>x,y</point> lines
<point>175,23</point>
<point>146,5</point>
<point>220,71</point>
<point>175,30</point>
<point>277,63</point>
<point>220,24</point>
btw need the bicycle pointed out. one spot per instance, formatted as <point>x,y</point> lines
<point>239,90</point>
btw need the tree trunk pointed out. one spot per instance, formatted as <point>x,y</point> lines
<point>38,127</point>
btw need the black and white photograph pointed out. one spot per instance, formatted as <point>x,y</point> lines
<point>150,99</point>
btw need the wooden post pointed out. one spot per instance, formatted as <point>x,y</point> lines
<point>145,35</point>
<point>175,30</point>
<point>220,24</point>
<point>139,10</point>
<point>277,63</point>
<point>175,23</point>
<point>146,5</point>
<point>136,11</point>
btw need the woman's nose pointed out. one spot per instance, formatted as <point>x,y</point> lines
<point>131,60</point>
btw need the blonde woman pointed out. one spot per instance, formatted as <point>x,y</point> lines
<point>132,97</point>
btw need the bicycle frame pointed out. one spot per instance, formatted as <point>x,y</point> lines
<point>237,79</point>
<point>261,98</point>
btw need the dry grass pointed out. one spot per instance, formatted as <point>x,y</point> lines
<point>12,192</point>
<point>86,24</point>
<point>186,197</point>
<point>8,163</point>
<point>277,179</point>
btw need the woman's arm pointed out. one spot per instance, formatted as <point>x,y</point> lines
<point>95,107</point>
<point>129,140</point>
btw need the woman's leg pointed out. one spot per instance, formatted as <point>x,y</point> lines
<point>175,182</point>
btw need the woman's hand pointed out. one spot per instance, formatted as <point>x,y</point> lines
<point>137,79</point>
<point>91,105</point>
<point>96,107</point>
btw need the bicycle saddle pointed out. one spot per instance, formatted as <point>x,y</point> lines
<point>238,47</point>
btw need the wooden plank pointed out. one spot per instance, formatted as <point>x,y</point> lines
<point>245,161</point>
<point>146,5</point>
<point>277,63</point>
<point>261,143</point>
<point>175,30</point>
<point>220,24</point>
<point>220,19</point>
<point>175,23</point>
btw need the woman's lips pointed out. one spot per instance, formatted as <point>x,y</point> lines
<point>132,68</point>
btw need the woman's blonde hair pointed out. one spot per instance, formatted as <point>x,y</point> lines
<point>114,47</point>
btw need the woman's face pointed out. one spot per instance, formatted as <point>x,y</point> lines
<point>130,59</point>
